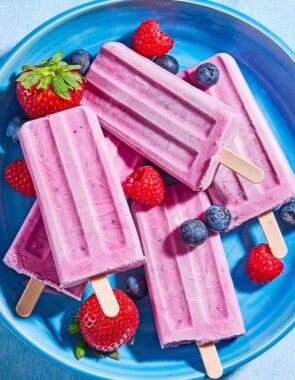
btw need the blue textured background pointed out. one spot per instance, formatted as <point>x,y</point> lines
<point>18,18</point>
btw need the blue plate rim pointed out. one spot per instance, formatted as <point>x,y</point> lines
<point>74,11</point>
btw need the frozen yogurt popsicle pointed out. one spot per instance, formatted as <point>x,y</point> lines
<point>191,289</point>
<point>86,217</point>
<point>177,127</point>
<point>256,140</point>
<point>30,254</point>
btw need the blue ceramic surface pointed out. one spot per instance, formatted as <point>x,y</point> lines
<point>199,31</point>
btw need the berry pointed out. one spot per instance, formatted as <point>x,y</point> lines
<point>80,57</point>
<point>145,185</point>
<point>168,63</point>
<point>287,213</point>
<point>217,218</point>
<point>14,126</point>
<point>17,175</point>
<point>262,266</point>
<point>108,333</point>
<point>49,87</point>
<point>136,286</point>
<point>193,232</point>
<point>207,75</point>
<point>149,41</point>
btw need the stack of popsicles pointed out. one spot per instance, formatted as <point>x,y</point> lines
<point>202,139</point>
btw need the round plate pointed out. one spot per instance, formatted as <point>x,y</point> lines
<point>199,31</point>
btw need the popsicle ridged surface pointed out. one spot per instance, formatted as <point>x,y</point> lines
<point>255,140</point>
<point>191,289</point>
<point>30,254</point>
<point>177,127</point>
<point>87,220</point>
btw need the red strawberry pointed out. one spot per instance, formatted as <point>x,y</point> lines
<point>262,265</point>
<point>18,177</point>
<point>149,41</point>
<point>49,87</point>
<point>145,185</point>
<point>108,333</point>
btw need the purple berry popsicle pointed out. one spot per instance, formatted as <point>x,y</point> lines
<point>177,127</point>
<point>191,289</point>
<point>86,217</point>
<point>30,253</point>
<point>256,140</point>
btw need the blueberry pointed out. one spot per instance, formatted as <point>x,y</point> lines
<point>136,287</point>
<point>80,57</point>
<point>14,126</point>
<point>287,212</point>
<point>168,63</point>
<point>217,218</point>
<point>193,232</point>
<point>207,74</point>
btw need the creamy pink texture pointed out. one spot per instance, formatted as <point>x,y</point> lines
<point>254,140</point>
<point>125,159</point>
<point>84,210</point>
<point>191,289</point>
<point>30,254</point>
<point>177,127</point>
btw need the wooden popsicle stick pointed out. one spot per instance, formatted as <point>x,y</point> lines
<point>105,295</point>
<point>211,361</point>
<point>273,234</point>
<point>29,298</point>
<point>241,166</point>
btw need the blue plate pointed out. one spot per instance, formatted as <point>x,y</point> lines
<point>199,31</point>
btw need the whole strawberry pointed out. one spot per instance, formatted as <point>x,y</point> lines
<point>145,185</point>
<point>108,333</point>
<point>17,175</point>
<point>49,87</point>
<point>262,265</point>
<point>150,41</point>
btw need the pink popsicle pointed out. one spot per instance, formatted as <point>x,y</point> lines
<point>256,140</point>
<point>30,254</point>
<point>178,128</point>
<point>191,289</point>
<point>84,210</point>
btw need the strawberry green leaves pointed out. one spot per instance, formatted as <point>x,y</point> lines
<point>73,328</point>
<point>80,349</point>
<point>52,72</point>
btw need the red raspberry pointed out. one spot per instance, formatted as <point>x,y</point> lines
<point>149,41</point>
<point>108,333</point>
<point>18,177</point>
<point>145,185</point>
<point>262,265</point>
